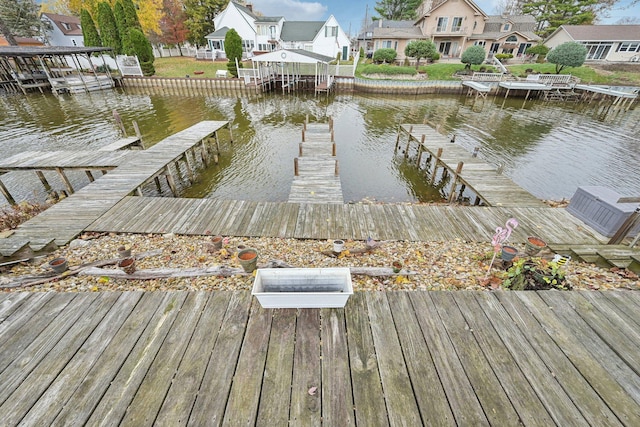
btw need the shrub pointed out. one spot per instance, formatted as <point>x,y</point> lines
<point>503,56</point>
<point>569,54</point>
<point>420,49</point>
<point>385,55</point>
<point>474,55</point>
<point>388,69</point>
<point>361,52</point>
<point>233,50</point>
<point>435,56</point>
<point>538,49</point>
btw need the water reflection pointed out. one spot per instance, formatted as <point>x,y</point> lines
<point>548,148</point>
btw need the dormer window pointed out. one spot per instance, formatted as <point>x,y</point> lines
<point>66,26</point>
<point>506,27</point>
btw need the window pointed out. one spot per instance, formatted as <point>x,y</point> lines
<point>386,44</point>
<point>330,31</point>
<point>598,50</point>
<point>456,25</point>
<point>629,47</point>
<point>480,43</point>
<point>512,39</point>
<point>247,45</point>
<point>506,27</point>
<point>442,24</point>
<point>272,32</point>
<point>66,26</point>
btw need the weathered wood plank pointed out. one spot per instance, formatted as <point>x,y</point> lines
<point>368,397</point>
<point>124,386</point>
<point>464,403</point>
<point>216,383</point>
<point>275,397</point>
<point>306,387</point>
<point>244,397</point>
<point>402,408</point>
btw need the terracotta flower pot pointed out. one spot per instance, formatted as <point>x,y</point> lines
<point>509,253</point>
<point>533,245</point>
<point>128,265</point>
<point>216,241</point>
<point>248,259</point>
<point>59,265</point>
<point>124,252</point>
<point>396,266</point>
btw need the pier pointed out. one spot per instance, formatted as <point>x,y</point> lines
<point>316,173</point>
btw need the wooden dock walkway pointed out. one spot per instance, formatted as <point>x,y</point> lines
<point>316,169</point>
<point>345,221</point>
<point>492,188</point>
<point>388,358</point>
<point>69,217</point>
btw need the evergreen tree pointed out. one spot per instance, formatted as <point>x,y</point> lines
<point>550,14</point>
<point>89,32</point>
<point>420,49</point>
<point>143,51</point>
<point>131,16</point>
<point>123,29</point>
<point>397,9</point>
<point>233,50</point>
<point>569,54</point>
<point>474,55</point>
<point>108,28</point>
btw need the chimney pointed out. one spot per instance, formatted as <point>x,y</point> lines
<point>380,22</point>
<point>249,6</point>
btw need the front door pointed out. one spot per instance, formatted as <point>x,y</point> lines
<point>494,47</point>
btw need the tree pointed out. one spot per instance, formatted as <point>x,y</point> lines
<point>123,29</point>
<point>569,54</point>
<point>148,15</point>
<point>89,32</point>
<point>397,10</point>
<point>6,32</point>
<point>474,55</point>
<point>143,51</point>
<point>233,50</point>
<point>131,15</point>
<point>172,25</point>
<point>19,18</point>
<point>200,14</point>
<point>420,49</point>
<point>385,55</point>
<point>108,28</point>
<point>550,14</point>
<point>540,50</point>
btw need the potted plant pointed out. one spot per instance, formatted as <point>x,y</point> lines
<point>533,245</point>
<point>248,259</point>
<point>508,253</point>
<point>534,274</point>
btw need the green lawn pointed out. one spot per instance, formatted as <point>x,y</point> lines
<point>182,66</point>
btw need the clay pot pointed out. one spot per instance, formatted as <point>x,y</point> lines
<point>216,241</point>
<point>124,252</point>
<point>509,253</point>
<point>248,259</point>
<point>59,265</point>
<point>533,245</point>
<point>128,265</point>
<point>396,266</point>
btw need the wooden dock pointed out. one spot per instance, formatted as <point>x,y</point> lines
<point>316,177</point>
<point>69,217</point>
<point>349,221</point>
<point>388,358</point>
<point>476,175</point>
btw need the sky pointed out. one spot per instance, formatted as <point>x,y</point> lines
<point>350,13</point>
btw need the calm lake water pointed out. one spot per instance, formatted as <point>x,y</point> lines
<point>547,148</point>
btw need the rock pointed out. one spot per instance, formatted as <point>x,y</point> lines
<point>78,243</point>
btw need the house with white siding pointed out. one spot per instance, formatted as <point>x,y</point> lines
<point>62,30</point>
<point>614,43</point>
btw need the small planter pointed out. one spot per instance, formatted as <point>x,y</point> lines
<point>248,259</point>
<point>124,252</point>
<point>216,241</point>
<point>533,245</point>
<point>396,266</point>
<point>338,246</point>
<point>509,253</point>
<point>59,265</point>
<point>128,265</point>
<point>302,287</point>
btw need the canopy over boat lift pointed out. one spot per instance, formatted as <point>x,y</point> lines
<point>59,68</point>
<point>288,68</point>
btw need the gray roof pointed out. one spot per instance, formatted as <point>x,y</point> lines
<point>301,57</point>
<point>268,18</point>
<point>516,19</point>
<point>245,10</point>
<point>48,50</point>
<point>218,34</point>
<point>298,31</point>
<point>603,32</point>
<point>384,23</point>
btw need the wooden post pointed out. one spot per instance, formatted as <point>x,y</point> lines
<point>333,138</point>
<point>304,125</point>
<point>333,149</point>
<point>137,130</point>
<point>300,149</point>
<point>187,164</point>
<point>43,180</point>
<point>435,165</point>
<point>158,186</point>
<point>89,175</point>
<point>453,137</point>
<point>204,153</point>
<point>66,181</point>
<point>6,194</point>
<point>331,123</point>
<point>170,181</point>
<point>406,150</point>
<point>420,149</point>
<point>455,180</point>
<point>116,116</point>
<point>337,169</point>
<point>215,135</point>
<point>295,166</point>
<point>139,191</point>
<point>475,152</point>
<point>230,133</point>
<point>397,138</point>
<point>303,135</point>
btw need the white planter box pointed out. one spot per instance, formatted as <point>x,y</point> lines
<point>302,287</point>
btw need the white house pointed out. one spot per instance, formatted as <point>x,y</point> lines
<point>62,30</point>
<point>603,42</point>
<point>262,34</point>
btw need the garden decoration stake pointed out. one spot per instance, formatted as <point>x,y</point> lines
<point>501,236</point>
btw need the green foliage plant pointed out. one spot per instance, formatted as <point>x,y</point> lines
<point>569,54</point>
<point>233,50</point>
<point>388,70</point>
<point>534,274</point>
<point>143,51</point>
<point>123,28</point>
<point>108,28</point>
<point>89,31</point>
<point>474,55</point>
<point>387,55</point>
<point>420,49</point>
<point>503,56</point>
<point>131,15</point>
